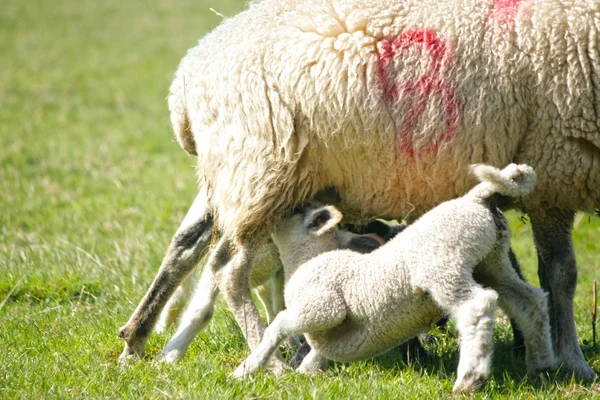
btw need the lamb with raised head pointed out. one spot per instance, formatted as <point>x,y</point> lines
<point>386,103</point>
<point>454,260</point>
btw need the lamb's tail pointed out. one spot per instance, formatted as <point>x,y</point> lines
<point>513,181</point>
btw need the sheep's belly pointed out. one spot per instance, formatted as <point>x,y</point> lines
<point>356,339</point>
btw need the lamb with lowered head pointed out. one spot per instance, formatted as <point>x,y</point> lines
<point>454,259</point>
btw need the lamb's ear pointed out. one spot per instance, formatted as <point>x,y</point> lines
<point>322,220</point>
<point>363,244</point>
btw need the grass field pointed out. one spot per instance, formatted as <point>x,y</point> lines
<point>92,187</point>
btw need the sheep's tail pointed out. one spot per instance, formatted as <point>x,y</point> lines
<point>513,181</point>
<point>179,114</point>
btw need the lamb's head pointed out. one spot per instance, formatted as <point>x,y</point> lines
<point>312,230</point>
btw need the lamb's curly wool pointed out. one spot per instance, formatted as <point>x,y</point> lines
<point>352,306</point>
<point>387,102</point>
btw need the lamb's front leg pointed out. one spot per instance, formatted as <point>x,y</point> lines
<point>300,317</point>
<point>185,251</point>
<point>176,304</point>
<point>270,293</point>
<point>284,325</point>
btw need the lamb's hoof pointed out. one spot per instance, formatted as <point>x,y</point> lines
<point>171,356</point>
<point>276,365</point>
<point>241,372</point>
<point>468,384</point>
<point>463,390</point>
<point>305,369</point>
<point>466,389</point>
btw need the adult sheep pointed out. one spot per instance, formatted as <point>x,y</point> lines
<point>387,103</point>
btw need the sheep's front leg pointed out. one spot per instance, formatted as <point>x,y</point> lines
<point>475,323</point>
<point>185,251</point>
<point>196,317</point>
<point>231,266</point>
<point>557,270</point>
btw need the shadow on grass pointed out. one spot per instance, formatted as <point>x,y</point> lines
<point>508,368</point>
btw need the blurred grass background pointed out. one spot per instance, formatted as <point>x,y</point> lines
<point>92,186</point>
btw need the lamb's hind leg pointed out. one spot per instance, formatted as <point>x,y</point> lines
<point>185,250</point>
<point>176,304</point>
<point>472,308</point>
<point>557,270</point>
<point>475,323</point>
<point>524,304</point>
<point>196,317</point>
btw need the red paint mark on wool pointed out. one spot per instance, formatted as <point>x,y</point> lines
<point>431,85</point>
<point>504,12</point>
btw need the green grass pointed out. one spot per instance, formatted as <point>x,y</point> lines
<point>92,186</point>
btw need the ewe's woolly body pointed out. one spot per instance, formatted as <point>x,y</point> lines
<point>284,99</point>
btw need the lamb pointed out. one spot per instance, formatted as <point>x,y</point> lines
<point>383,104</point>
<point>266,278</point>
<point>352,306</point>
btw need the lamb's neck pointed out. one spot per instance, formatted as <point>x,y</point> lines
<point>292,261</point>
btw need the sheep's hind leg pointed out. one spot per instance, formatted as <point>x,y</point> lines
<point>557,270</point>
<point>519,339</point>
<point>230,264</point>
<point>185,251</point>
<point>196,317</point>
